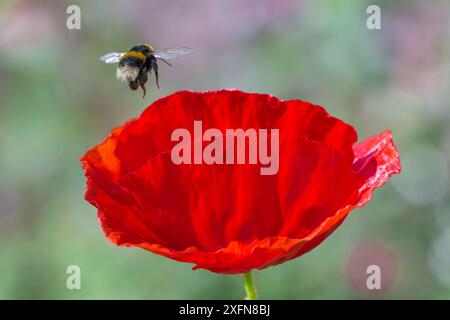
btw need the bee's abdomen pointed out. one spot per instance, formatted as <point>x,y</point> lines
<point>129,67</point>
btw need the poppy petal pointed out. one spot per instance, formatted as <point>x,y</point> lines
<point>231,218</point>
<point>376,160</point>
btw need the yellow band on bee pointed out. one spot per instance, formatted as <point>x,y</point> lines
<point>150,47</point>
<point>135,54</point>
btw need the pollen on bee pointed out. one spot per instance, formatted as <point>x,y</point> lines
<point>127,73</point>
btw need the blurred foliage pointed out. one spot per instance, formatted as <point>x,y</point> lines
<point>58,99</point>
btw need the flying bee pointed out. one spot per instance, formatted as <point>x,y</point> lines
<point>136,64</point>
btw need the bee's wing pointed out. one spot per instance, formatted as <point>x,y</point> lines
<point>171,53</point>
<point>112,57</point>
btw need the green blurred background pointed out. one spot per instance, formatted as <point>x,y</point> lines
<point>57,100</point>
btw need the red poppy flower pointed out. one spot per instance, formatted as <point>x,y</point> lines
<point>230,218</point>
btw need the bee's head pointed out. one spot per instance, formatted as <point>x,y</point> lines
<point>133,85</point>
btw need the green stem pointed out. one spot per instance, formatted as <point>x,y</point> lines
<point>249,285</point>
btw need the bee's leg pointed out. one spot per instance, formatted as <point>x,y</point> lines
<point>155,67</point>
<point>143,89</point>
<point>142,79</point>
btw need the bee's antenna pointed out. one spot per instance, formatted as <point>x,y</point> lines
<point>165,62</point>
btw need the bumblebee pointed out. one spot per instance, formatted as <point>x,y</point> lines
<point>136,64</point>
